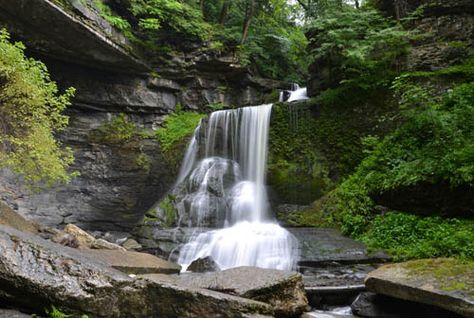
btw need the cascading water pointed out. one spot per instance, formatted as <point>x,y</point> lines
<point>222,184</point>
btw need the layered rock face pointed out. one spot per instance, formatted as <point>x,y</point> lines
<point>118,180</point>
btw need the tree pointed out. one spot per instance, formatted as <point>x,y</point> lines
<point>30,115</point>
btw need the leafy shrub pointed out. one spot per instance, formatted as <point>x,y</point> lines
<point>177,16</point>
<point>177,127</point>
<point>118,130</point>
<point>115,20</point>
<point>362,48</point>
<point>407,236</point>
<point>30,115</point>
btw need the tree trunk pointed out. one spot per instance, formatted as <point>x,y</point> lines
<point>249,11</point>
<point>224,11</point>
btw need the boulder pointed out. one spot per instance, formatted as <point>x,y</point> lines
<point>131,244</point>
<point>445,283</point>
<point>102,244</point>
<point>202,265</point>
<point>373,305</point>
<point>134,262</point>
<point>35,273</point>
<point>283,290</point>
<point>84,239</point>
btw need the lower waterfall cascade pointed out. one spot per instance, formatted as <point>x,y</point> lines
<point>222,186</point>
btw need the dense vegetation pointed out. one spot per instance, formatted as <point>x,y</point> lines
<point>30,115</point>
<point>427,136</point>
<point>260,34</point>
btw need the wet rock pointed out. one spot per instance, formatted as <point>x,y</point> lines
<point>35,272</point>
<point>202,265</point>
<point>131,244</point>
<point>134,262</point>
<point>283,290</point>
<point>323,245</point>
<point>373,305</point>
<point>445,283</point>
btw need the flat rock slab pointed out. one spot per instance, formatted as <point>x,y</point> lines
<point>446,283</point>
<point>134,262</point>
<point>323,245</point>
<point>35,273</point>
<point>282,289</point>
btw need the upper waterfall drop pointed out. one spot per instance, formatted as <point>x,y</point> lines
<point>222,184</point>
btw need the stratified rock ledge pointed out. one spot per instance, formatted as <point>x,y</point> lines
<point>446,283</point>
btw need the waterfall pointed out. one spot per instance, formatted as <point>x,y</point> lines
<point>298,94</point>
<point>221,185</point>
<point>227,188</point>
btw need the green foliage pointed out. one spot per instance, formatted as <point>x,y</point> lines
<point>216,106</point>
<point>143,161</point>
<point>30,115</point>
<point>407,236</point>
<point>123,133</point>
<point>174,134</point>
<point>56,313</point>
<point>114,20</point>
<point>178,16</point>
<point>169,210</point>
<point>118,130</point>
<point>361,47</point>
<point>296,171</point>
<point>177,127</point>
<point>434,144</point>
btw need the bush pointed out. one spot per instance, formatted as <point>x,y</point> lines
<point>362,48</point>
<point>30,115</point>
<point>407,236</point>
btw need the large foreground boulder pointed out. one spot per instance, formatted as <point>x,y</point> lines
<point>283,290</point>
<point>35,273</point>
<point>446,283</point>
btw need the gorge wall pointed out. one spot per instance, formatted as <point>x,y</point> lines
<point>116,85</point>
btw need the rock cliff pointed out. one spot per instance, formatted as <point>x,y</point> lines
<point>118,180</point>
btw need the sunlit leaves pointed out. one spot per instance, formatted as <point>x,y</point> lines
<point>30,114</point>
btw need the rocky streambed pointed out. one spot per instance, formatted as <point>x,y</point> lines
<point>338,278</point>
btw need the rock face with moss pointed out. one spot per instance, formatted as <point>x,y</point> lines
<point>123,95</point>
<point>445,283</point>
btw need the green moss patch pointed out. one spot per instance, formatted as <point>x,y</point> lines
<point>449,275</point>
